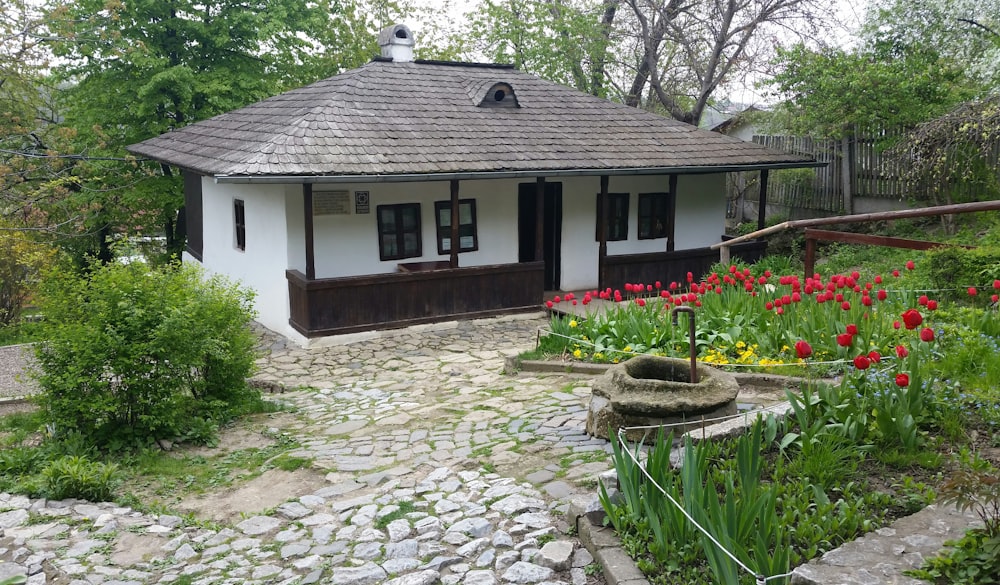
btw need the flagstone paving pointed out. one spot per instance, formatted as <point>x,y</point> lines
<point>439,468</point>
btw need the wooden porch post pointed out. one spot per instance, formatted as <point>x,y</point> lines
<point>539,219</point>
<point>307,201</point>
<point>672,212</point>
<point>602,230</point>
<point>762,200</point>
<point>455,244</point>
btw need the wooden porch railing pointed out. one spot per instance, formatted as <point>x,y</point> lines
<point>672,266</point>
<point>331,306</point>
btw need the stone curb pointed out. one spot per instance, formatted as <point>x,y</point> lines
<point>604,545</point>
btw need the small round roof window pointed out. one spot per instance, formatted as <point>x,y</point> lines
<point>499,95</point>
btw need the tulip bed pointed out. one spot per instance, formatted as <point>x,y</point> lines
<point>916,391</point>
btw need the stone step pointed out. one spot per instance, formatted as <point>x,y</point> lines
<point>883,555</point>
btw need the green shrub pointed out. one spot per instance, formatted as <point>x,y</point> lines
<point>958,268</point>
<point>78,477</point>
<point>135,354</point>
<point>21,262</point>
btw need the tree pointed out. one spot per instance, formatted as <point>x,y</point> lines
<point>689,49</point>
<point>954,156</point>
<point>830,92</point>
<point>135,70</point>
<point>564,41</point>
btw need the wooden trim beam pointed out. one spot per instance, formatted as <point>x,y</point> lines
<point>762,199</point>
<point>672,212</point>
<point>307,202</point>
<point>539,219</point>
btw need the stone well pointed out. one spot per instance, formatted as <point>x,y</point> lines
<point>650,390</point>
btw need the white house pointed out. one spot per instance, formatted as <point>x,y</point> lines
<point>339,202</point>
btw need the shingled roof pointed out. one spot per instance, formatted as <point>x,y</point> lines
<point>394,119</point>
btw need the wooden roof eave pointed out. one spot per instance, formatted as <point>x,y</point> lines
<point>532,174</point>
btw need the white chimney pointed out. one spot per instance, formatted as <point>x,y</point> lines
<point>397,43</point>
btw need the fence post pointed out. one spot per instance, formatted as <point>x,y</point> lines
<point>846,173</point>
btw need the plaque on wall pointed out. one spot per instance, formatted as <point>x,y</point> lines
<point>331,203</point>
<point>361,202</point>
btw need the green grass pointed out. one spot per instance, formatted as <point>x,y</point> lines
<point>28,331</point>
<point>405,507</point>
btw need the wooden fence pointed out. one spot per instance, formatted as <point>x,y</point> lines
<point>870,174</point>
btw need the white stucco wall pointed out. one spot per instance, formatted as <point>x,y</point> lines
<point>348,245</point>
<point>262,265</point>
<point>701,214</point>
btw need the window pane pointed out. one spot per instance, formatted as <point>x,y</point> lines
<point>444,216</point>
<point>409,219</point>
<point>465,214</point>
<point>388,220</point>
<point>411,244</point>
<point>389,245</point>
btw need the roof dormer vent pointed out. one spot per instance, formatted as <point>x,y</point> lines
<point>397,43</point>
<point>499,95</point>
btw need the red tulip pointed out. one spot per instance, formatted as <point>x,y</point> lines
<point>972,291</point>
<point>852,329</point>
<point>878,279</point>
<point>912,318</point>
<point>803,349</point>
<point>690,277</point>
<point>641,302</point>
<point>866,300</point>
<point>556,299</point>
<point>895,324</point>
<point>932,305</point>
<point>895,273</point>
<point>881,294</point>
<point>910,265</point>
<point>922,300</point>
<point>664,294</point>
<point>901,352</point>
<point>548,304</point>
<point>657,284</point>
<point>780,310</point>
<point>927,334</point>
<point>796,297</point>
<point>846,306</point>
<point>839,298</point>
<point>902,380</point>
<point>995,298</point>
<point>845,339</point>
<point>874,356</point>
<point>856,275</point>
<point>996,284</point>
<point>861,362</point>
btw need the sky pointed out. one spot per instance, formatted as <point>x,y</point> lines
<point>849,14</point>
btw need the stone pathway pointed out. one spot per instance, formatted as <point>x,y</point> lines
<point>439,468</point>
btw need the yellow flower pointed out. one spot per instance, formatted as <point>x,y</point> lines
<point>740,345</point>
<point>573,323</point>
<point>577,354</point>
<point>627,349</point>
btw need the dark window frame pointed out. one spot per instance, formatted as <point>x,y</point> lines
<point>398,230</point>
<point>240,224</point>
<point>444,231</point>
<point>616,202</point>
<point>652,207</point>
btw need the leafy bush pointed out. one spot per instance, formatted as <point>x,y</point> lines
<point>958,268</point>
<point>134,354</point>
<point>78,477</point>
